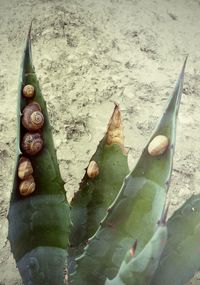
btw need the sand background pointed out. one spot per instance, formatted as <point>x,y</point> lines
<point>89,54</point>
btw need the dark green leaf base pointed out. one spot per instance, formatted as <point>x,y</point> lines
<point>43,266</point>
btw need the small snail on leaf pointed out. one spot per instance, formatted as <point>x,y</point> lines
<point>25,168</point>
<point>28,91</point>
<point>93,169</point>
<point>32,143</point>
<point>27,186</point>
<point>32,118</point>
<point>158,145</point>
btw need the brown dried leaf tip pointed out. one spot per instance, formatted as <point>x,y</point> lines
<point>114,133</point>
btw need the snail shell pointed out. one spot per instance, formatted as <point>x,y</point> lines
<point>25,168</point>
<point>28,91</point>
<point>93,169</point>
<point>32,118</point>
<point>32,143</point>
<point>27,186</point>
<point>158,145</point>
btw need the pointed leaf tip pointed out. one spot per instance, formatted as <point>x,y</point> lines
<point>115,120</point>
<point>184,64</point>
<point>181,76</point>
<point>30,29</point>
<point>186,58</point>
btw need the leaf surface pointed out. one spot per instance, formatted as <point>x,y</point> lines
<point>137,208</point>
<point>139,270</point>
<point>90,203</point>
<point>181,257</point>
<point>40,220</point>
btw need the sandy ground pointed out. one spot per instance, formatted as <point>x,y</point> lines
<point>89,54</point>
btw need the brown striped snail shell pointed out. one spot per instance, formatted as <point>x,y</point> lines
<point>32,143</point>
<point>32,118</point>
<point>158,145</point>
<point>27,186</point>
<point>93,169</point>
<point>25,168</point>
<point>28,91</point>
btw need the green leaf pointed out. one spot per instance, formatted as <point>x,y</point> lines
<point>90,203</point>
<point>137,208</point>
<point>40,220</point>
<point>139,270</point>
<point>181,257</point>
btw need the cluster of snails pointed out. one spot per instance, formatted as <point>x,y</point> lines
<point>25,171</point>
<point>32,142</point>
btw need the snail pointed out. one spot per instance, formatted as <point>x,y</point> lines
<point>32,118</point>
<point>158,145</point>
<point>28,91</point>
<point>27,186</point>
<point>32,143</point>
<point>93,169</point>
<point>25,168</point>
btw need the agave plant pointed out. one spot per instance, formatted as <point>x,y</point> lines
<point>115,229</point>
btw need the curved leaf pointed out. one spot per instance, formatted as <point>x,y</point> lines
<point>90,203</point>
<point>139,270</point>
<point>138,206</point>
<point>41,219</point>
<point>181,257</point>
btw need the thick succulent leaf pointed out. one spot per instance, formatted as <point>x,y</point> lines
<point>137,208</point>
<point>97,192</point>
<point>139,270</point>
<point>181,257</point>
<point>41,219</point>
